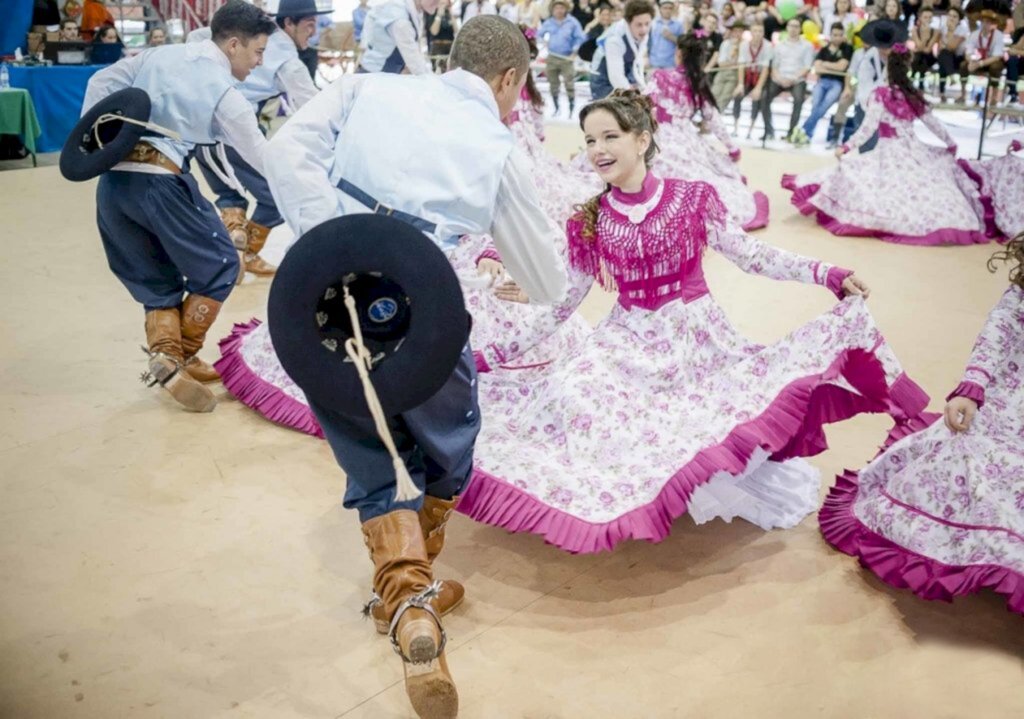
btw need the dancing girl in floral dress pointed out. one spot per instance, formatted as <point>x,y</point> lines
<point>667,409</point>
<point>941,511</point>
<point>903,191</point>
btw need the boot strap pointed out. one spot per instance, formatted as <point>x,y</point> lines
<point>147,377</point>
<point>418,601</point>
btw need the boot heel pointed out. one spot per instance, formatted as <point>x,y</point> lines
<point>190,394</point>
<point>431,690</point>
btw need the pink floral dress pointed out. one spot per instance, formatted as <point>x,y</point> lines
<point>505,334</point>
<point>688,155</point>
<point>666,408</point>
<point>903,191</point>
<point>1001,182</point>
<point>939,513</point>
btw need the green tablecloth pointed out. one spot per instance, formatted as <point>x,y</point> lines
<point>18,117</point>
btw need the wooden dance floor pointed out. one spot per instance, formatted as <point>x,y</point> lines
<point>161,564</point>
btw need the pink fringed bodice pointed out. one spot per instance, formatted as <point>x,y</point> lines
<point>658,259</point>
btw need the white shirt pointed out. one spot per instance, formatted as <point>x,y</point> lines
<point>993,44</point>
<point>615,55</point>
<point>234,122</point>
<point>298,171</point>
<point>868,68</point>
<point>292,78</point>
<point>764,54</point>
<point>961,30</point>
<point>793,57</point>
<point>487,7</point>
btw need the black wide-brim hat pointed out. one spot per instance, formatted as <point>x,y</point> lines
<point>409,303</point>
<point>883,33</point>
<point>83,157</point>
<point>304,8</point>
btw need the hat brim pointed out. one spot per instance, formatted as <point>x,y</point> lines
<point>883,33</point>
<point>438,328</point>
<point>81,158</point>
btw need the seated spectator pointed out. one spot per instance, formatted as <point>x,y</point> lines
<point>709,23</point>
<point>925,38</point>
<point>984,56</point>
<point>69,31</point>
<point>844,13</point>
<point>157,37</point>
<point>440,26</point>
<point>892,10</point>
<point>757,56</point>
<point>952,46</point>
<point>601,22</point>
<point>472,8</point>
<point>106,35</point>
<point>792,62</point>
<point>1016,54</point>
<point>831,65</point>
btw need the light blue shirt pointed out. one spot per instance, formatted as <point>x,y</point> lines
<point>358,18</point>
<point>565,37</point>
<point>663,51</point>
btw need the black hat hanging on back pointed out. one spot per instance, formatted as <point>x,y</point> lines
<point>367,317</point>
<point>883,33</point>
<point>107,133</point>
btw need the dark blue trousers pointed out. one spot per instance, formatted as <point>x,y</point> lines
<point>435,439</point>
<point>163,238</point>
<point>266,213</point>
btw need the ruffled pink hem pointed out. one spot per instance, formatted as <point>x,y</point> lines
<point>254,392</point>
<point>902,568</point>
<point>988,204</point>
<point>791,426</point>
<point>801,199</point>
<point>760,218</point>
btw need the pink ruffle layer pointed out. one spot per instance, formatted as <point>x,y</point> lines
<point>900,567</point>
<point>255,392</point>
<point>802,200</point>
<point>791,426</point>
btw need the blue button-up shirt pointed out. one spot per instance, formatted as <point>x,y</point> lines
<point>565,37</point>
<point>663,51</point>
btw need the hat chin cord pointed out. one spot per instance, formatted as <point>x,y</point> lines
<point>405,490</point>
<point>111,117</point>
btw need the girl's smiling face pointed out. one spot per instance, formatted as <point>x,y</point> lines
<point>614,153</point>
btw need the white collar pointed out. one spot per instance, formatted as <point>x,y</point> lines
<point>210,50</point>
<point>472,85</point>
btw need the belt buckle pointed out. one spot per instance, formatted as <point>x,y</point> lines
<point>388,211</point>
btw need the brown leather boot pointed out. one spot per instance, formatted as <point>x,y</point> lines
<point>166,362</point>
<point>403,580</point>
<point>253,262</point>
<point>237,225</point>
<point>198,313</point>
<point>433,517</point>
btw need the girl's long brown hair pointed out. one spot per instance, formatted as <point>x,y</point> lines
<point>1013,252</point>
<point>634,113</point>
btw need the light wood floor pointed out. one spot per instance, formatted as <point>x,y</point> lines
<point>160,564</point>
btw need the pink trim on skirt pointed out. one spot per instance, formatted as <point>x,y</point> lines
<point>791,426</point>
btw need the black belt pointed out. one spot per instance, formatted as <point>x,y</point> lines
<point>378,209</point>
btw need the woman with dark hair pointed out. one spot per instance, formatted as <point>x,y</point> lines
<point>905,190</point>
<point>680,96</point>
<point>666,409</point>
<point>939,511</point>
<point>106,35</point>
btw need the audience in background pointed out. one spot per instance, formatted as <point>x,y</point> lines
<point>157,37</point>
<point>790,67</point>
<point>665,31</point>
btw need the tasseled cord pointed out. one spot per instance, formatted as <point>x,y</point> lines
<point>112,117</point>
<point>405,490</point>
